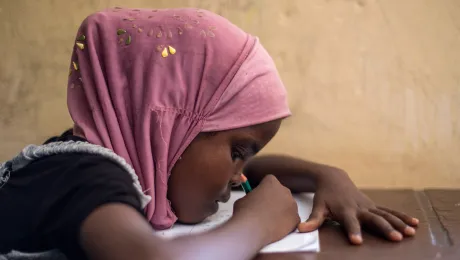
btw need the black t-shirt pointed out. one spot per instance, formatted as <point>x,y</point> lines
<point>43,205</point>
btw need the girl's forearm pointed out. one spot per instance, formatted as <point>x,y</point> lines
<point>296,174</point>
<point>107,235</point>
<point>237,239</point>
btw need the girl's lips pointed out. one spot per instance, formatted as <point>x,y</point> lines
<point>215,207</point>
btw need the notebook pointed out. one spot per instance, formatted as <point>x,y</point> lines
<point>294,242</point>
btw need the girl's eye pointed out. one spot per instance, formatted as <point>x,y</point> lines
<point>236,156</point>
<point>239,153</point>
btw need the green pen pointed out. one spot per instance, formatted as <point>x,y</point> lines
<point>245,184</point>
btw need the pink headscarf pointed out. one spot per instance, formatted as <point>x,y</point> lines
<point>144,83</point>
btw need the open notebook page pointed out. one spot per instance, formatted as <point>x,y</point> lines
<point>294,242</point>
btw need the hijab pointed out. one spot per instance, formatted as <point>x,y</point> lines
<point>144,83</point>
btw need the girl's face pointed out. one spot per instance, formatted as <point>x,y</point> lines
<point>210,166</point>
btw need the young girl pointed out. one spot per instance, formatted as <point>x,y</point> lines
<point>169,108</point>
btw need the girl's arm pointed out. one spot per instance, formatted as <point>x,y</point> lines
<point>336,197</point>
<point>298,175</point>
<point>117,231</point>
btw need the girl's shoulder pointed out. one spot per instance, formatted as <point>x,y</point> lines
<point>60,188</point>
<point>70,162</point>
<point>77,158</point>
<point>68,156</point>
<point>75,168</point>
<point>68,152</point>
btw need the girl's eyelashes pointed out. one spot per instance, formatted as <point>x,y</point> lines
<point>239,153</point>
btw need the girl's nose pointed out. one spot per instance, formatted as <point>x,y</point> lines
<point>236,180</point>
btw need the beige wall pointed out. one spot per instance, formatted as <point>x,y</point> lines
<point>374,85</point>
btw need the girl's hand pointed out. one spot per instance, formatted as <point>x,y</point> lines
<point>340,200</point>
<point>271,206</point>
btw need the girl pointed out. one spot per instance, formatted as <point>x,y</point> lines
<point>169,107</point>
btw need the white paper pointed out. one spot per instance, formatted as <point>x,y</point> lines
<point>294,242</point>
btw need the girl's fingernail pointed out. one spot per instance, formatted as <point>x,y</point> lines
<point>356,239</point>
<point>304,226</point>
<point>415,221</point>
<point>409,231</point>
<point>395,235</point>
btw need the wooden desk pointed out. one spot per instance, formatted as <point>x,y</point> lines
<point>438,235</point>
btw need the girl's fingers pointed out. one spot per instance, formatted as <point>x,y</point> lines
<point>352,227</point>
<point>404,217</point>
<point>381,225</point>
<point>316,218</point>
<point>396,222</point>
